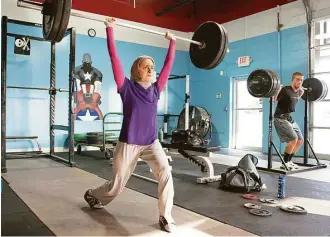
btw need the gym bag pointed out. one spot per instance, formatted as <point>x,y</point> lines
<point>242,178</point>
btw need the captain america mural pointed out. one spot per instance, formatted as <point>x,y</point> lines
<point>88,91</point>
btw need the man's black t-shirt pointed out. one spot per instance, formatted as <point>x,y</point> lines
<point>287,100</point>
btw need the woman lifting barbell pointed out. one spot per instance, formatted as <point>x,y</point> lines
<point>138,136</point>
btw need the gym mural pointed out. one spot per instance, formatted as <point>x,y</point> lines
<point>88,91</point>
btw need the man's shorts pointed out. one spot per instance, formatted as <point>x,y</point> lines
<point>287,131</point>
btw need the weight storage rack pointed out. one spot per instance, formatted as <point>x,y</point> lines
<point>105,140</point>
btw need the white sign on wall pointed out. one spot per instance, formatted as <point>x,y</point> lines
<point>244,61</point>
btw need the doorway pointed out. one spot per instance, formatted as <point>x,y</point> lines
<point>247,117</point>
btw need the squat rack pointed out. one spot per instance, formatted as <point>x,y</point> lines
<point>307,145</point>
<point>166,115</point>
<point>71,32</point>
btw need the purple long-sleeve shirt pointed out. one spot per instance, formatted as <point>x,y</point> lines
<point>139,104</point>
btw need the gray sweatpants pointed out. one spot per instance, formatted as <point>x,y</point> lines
<point>124,162</point>
<point>287,131</point>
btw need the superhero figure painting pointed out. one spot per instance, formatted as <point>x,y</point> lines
<point>88,91</point>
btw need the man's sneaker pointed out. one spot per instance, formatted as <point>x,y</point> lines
<point>293,165</point>
<point>164,225</point>
<point>91,200</point>
<point>287,165</point>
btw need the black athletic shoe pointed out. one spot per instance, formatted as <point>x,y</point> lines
<point>164,225</point>
<point>92,201</point>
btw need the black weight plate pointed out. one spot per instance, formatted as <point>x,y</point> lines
<point>260,212</point>
<point>94,134</point>
<point>66,12</point>
<point>224,48</point>
<point>199,120</point>
<point>322,95</point>
<point>259,83</point>
<point>52,21</point>
<point>273,78</point>
<point>325,91</point>
<point>94,140</point>
<point>276,84</point>
<point>294,209</point>
<point>211,34</point>
<point>315,89</point>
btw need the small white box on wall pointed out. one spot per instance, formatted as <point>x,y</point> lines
<point>244,61</point>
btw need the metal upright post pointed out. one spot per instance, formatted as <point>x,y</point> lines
<point>71,91</point>
<point>52,99</point>
<point>306,127</point>
<point>3,91</point>
<point>187,100</point>
<point>270,134</point>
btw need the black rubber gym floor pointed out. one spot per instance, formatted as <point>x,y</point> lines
<point>204,199</point>
<point>226,207</point>
<point>16,217</point>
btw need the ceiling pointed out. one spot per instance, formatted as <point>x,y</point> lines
<point>186,17</point>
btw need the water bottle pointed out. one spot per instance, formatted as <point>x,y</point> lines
<point>161,135</point>
<point>281,186</point>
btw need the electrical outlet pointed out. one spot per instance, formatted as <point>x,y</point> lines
<point>218,96</point>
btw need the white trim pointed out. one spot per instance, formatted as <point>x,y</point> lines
<point>236,80</point>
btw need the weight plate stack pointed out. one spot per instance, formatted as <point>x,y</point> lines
<point>317,89</point>
<point>223,49</point>
<point>276,85</point>
<point>94,138</point>
<point>263,83</point>
<point>214,37</point>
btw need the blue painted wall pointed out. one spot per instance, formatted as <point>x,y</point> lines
<point>264,52</point>
<point>28,111</point>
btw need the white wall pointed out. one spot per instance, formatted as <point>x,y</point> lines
<point>291,15</point>
<point>320,8</point>
<point>10,9</point>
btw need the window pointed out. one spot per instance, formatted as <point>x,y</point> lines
<point>321,110</point>
<point>321,114</point>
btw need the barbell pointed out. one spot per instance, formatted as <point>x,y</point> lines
<point>264,83</point>
<point>208,45</point>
